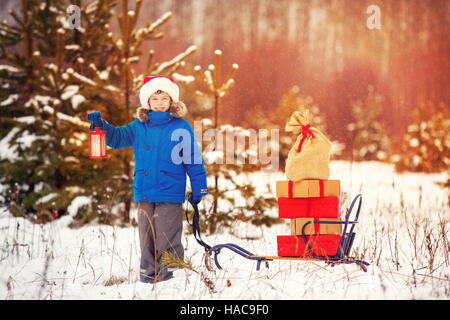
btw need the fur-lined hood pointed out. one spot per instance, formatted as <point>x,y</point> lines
<point>177,110</point>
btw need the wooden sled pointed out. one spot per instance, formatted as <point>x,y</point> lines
<point>341,256</point>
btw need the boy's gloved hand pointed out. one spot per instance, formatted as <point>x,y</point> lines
<point>96,120</point>
<point>195,199</point>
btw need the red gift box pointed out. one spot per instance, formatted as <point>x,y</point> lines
<point>324,245</point>
<point>326,207</point>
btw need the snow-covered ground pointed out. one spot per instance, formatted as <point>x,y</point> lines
<point>403,233</point>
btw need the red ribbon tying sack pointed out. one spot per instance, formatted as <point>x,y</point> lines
<point>305,132</point>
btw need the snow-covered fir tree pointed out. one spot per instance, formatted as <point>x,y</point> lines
<point>369,138</point>
<point>277,118</point>
<point>426,144</point>
<point>37,109</point>
<point>117,77</point>
<point>52,75</point>
<point>227,153</point>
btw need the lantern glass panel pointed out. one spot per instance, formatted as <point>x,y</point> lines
<point>98,143</point>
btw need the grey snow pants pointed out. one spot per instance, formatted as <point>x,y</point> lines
<point>160,229</point>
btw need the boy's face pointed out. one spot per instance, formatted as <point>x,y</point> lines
<point>159,102</point>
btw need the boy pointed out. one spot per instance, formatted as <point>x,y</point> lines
<point>165,150</point>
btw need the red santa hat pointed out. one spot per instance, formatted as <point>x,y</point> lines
<point>153,84</point>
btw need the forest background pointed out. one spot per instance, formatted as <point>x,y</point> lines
<point>379,93</point>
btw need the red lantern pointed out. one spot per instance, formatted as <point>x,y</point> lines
<point>98,143</point>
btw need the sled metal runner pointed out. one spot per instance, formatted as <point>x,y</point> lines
<point>341,256</point>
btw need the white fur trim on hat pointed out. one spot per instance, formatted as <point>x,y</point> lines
<point>153,84</point>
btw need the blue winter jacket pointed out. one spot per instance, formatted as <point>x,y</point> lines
<point>165,149</point>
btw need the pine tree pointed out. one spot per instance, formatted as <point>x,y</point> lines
<point>53,76</point>
<point>118,75</point>
<point>426,144</point>
<point>369,137</point>
<point>277,118</point>
<point>227,160</point>
<point>35,87</point>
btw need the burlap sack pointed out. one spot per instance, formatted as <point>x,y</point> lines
<point>309,158</point>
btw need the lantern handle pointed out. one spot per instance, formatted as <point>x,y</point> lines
<point>97,129</point>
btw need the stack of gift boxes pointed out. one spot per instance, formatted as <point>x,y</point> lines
<point>307,201</point>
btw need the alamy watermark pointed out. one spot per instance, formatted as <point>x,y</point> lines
<point>74,16</point>
<point>222,149</point>
<point>374,20</point>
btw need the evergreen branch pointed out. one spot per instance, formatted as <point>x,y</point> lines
<point>17,18</point>
<point>168,258</point>
<point>81,77</point>
<point>137,12</point>
<point>8,32</point>
<point>165,65</point>
<point>8,28</point>
<point>65,117</point>
<point>159,22</point>
<point>147,32</point>
<point>151,53</point>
